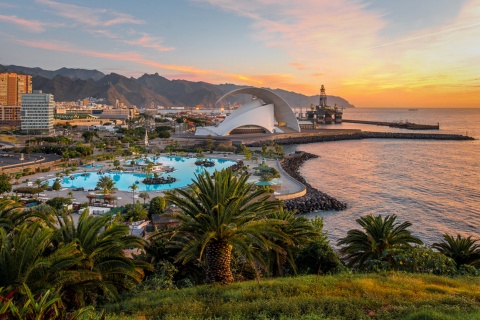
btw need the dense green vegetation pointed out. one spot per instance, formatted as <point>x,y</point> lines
<point>226,231</point>
<point>345,296</point>
<point>43,253</point>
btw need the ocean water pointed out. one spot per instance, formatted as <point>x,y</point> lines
<point>433,184</point>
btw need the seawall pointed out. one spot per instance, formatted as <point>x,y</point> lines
<point>313,199</point>
<point>359,135</point>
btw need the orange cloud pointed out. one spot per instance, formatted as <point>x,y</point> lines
<point>30,25</point>
<point>344,39</point>
<point>297,65</point>
<point>147,41</point>
<point>104,33</point>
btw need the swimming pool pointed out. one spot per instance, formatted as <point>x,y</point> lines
<point>185,170</point>
<point>92,166</point>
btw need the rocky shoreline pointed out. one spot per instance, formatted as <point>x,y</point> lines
<point>360,135</point>
<point>314,199</point>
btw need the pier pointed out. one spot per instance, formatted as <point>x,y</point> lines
<point>338,135</point>
<point>399,124</point>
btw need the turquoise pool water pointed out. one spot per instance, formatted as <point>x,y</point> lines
<point>91,166</point>
<point>185,170</point>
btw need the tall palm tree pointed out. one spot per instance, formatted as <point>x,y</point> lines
<point>106,184</point>
<point>300,231</point>
<point>148,169</point>
<point>38,182</point>
<point>104,267</point>
<point>464,251</point>
<point>12,215</point>
<point>378,235</point>
<point>220,215</point>
<point>134,188</point>
<point>26,257</point>
<point>144,195</point>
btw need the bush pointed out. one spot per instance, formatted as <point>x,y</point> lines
<point>157,205</point>
<point>59,202</point>
<point>223,147</point>
<point>417,259</point>
<point>162,279</point>
<point>319,258</point>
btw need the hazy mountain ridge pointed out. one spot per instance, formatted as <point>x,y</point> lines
<point>68,84</point>
<point>74,73</point>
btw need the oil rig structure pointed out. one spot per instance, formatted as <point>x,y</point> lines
<point>322,113</point>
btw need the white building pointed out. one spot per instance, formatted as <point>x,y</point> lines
<point>37,113</point>
<point>266,113</point>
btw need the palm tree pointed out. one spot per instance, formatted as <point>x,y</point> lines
<point>144,195</point>
<point>221,215</point>
<point>104,266</point>
<point>18,175</point>
<point>106,184</point>
<point>134,187</point>
<point>136,212</point>
<point>10,214</point>
<point>300,231</point>
<point>148,170</point>
<point>378,235</point>
<point>38,182</point>
<point>73,179</point>
<point>26,257</point>
<point>464,251</point>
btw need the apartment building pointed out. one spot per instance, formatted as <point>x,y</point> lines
<point>37,113</point>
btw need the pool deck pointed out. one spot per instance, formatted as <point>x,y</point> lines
<point>288,186</point>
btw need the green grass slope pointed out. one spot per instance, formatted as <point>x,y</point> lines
<point>363,296</point>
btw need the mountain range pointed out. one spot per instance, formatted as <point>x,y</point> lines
<point>69,84</point>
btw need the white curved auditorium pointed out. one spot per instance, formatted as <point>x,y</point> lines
<point>261,113</point>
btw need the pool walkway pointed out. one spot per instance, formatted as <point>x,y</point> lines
<point>289,186</point>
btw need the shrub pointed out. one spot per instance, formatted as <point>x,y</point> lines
<point>417,259</point>
<point>319,258</point>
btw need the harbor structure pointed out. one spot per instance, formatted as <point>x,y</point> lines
<point>323,113</point>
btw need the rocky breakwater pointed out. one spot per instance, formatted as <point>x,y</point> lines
<point>314,199</point>
<point>322,137</point>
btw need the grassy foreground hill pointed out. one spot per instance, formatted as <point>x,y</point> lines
<point>359,296</point>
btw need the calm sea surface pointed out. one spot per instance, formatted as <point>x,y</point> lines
<point>433,184</point>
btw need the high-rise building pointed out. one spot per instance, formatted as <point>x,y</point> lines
<point>12,86</point>
<point>10,116</point>
<point>37,113</point>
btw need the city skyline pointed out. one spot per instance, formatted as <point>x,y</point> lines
<point>372,53</point>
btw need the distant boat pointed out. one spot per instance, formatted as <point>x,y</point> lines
<point>412,109</point>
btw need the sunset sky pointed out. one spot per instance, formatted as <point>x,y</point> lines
<point>374,53</point>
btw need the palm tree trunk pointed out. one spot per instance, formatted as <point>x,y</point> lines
<point>218,255</point>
